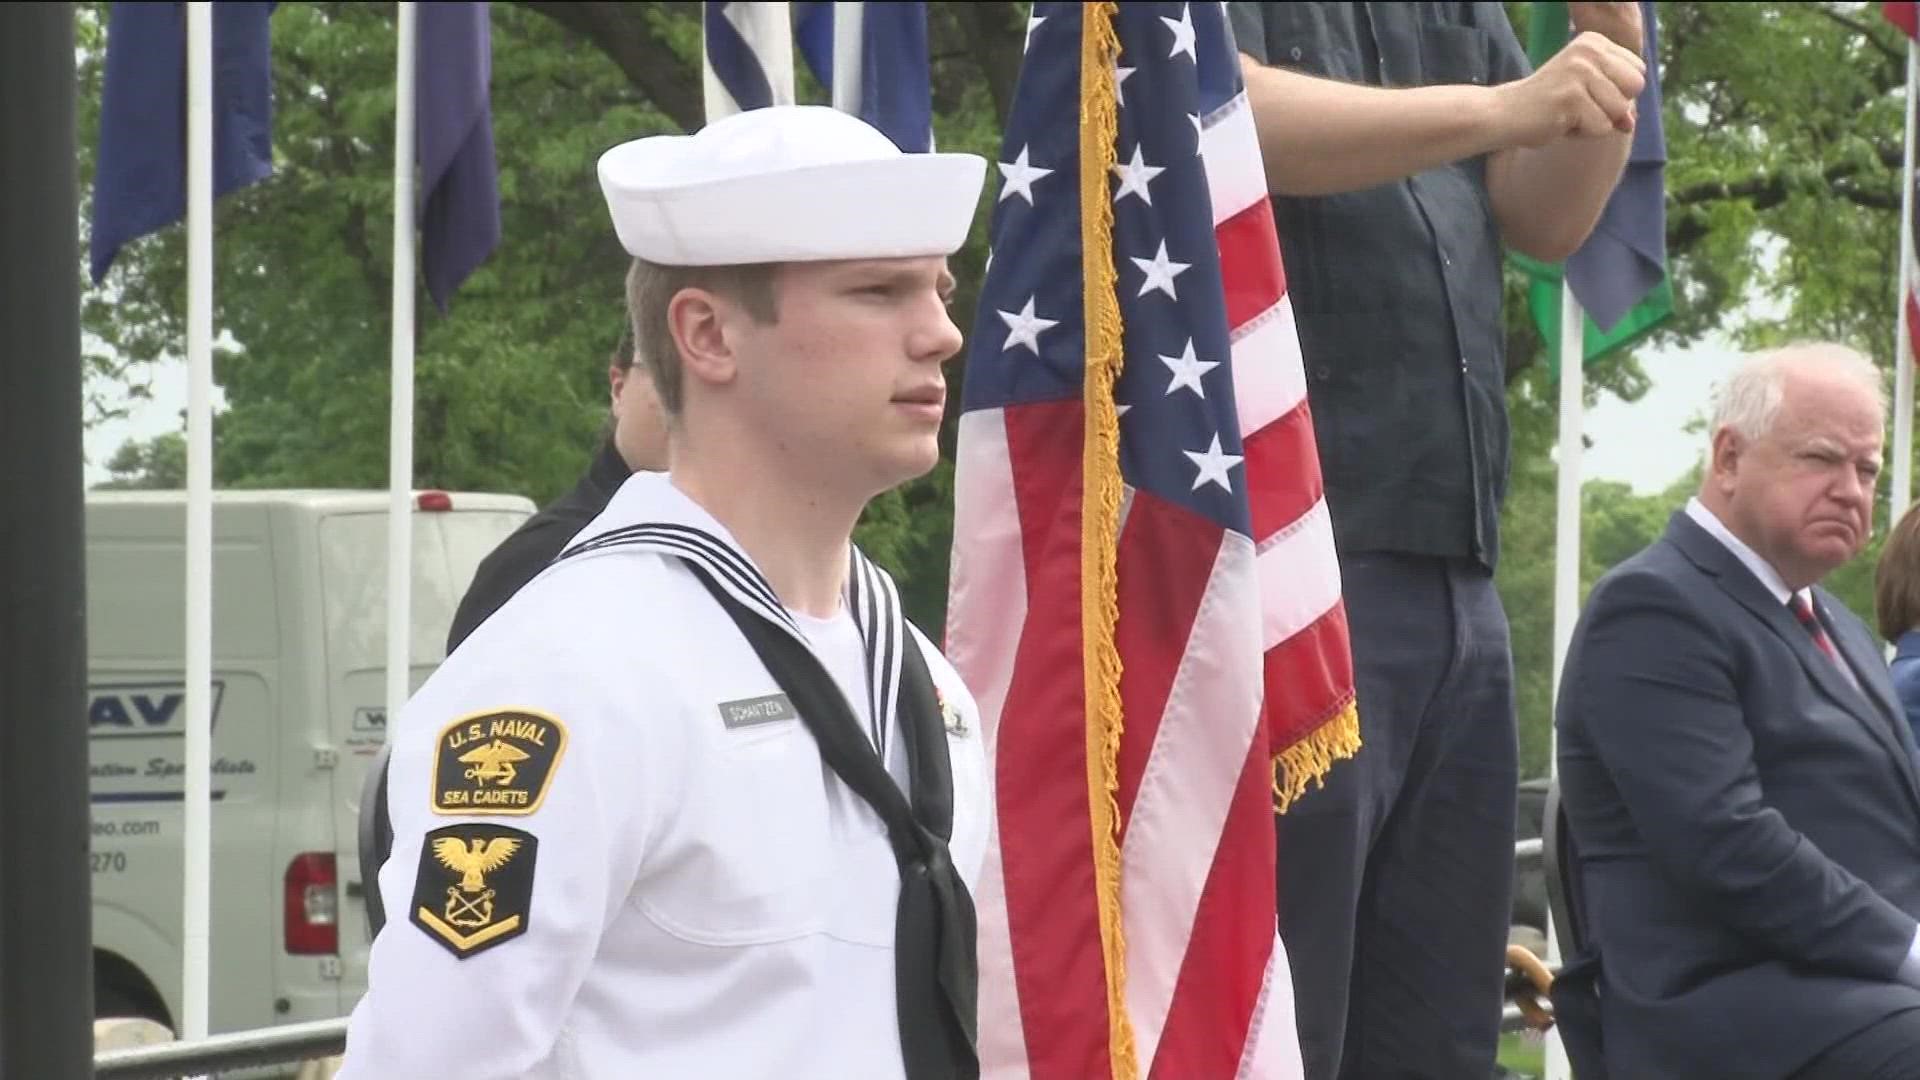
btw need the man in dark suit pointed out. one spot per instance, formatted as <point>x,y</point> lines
<point>1738,781</point>
<point>636,440</point>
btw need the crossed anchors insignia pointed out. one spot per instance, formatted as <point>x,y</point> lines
<point>950,716</point>
<point>470,903</point>
<point>493,762</point>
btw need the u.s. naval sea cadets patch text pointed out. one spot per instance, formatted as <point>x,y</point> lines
<point>474,888</point>
<point>496,762</point>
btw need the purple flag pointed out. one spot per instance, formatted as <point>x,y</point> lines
<point>460,196</point>
<point>140,174</point>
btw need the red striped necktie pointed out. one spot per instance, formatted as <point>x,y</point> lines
<point>1804,612</point>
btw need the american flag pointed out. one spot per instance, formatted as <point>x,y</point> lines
<point>1150,618</point>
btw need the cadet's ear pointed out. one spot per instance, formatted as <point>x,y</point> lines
<point>698,319</point>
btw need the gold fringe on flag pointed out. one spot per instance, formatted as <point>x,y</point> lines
<point>1100,504</point>
<point>1309,760</point>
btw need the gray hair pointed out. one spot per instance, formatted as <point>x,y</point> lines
<point>1750,401</point>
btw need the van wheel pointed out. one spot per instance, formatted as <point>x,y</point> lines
<point>114,1002</point>
<point>121,991</point>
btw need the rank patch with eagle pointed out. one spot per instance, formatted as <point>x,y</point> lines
<point>474,888</point>
<point>496,762</point>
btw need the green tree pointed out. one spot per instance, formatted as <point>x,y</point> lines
<point>156,463</point>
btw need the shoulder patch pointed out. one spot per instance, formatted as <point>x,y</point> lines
<point>474,887</point>
<point>497,762</point>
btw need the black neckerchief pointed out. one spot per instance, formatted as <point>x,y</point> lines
<point>935,970</point>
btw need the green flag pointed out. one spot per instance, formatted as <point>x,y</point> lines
<point>1619,275</point>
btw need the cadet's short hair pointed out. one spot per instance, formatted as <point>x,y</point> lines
<point>651,287</point>
<point>623,350</point>
<point>1896,578</point>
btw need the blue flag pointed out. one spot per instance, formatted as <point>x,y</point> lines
<point>460,196</point>
<point>892,88</point>
<point>140,173</point>
<point>746,57</point>
<point>1625,257</point>
<point>1619,275</point>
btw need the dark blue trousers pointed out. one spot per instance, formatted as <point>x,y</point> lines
<point>1396,879</point>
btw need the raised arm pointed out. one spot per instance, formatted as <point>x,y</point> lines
<point>1556,139</point>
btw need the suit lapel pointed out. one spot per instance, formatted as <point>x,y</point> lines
<point>1860,654</point>
<point>1871,704</point>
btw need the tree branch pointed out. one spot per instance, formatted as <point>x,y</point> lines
<point>336,147</point>
<point>623,33</point>
<point>1893,56</point>
<point>1766,190</point>
<point>994,36</point>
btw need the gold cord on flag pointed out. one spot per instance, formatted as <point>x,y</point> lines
<point>1100,504</point>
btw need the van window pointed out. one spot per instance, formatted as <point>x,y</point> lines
<point>447,548</point>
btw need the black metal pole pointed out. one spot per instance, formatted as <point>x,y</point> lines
<point>46,970</point>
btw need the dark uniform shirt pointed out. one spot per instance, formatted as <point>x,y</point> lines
<point>1397,289</point>
<point>534,544</point>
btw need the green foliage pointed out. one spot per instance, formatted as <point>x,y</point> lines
<point>152,464</point>
<point>1784,145</point>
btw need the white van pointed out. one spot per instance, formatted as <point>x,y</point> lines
<point>298,710</point>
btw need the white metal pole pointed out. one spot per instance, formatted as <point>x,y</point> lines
<point>1902,340</point>
<point>849,30</point>
<point>400,439</point>
<point>197,825</point>
<point>1566,540</point>
<point>1566,560</point>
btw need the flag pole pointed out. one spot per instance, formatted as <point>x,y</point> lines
<point>1566,561</point>
<point>199,643</point>
<point>400,439</point>
<point>1903,359</point>
<point>849,26</point>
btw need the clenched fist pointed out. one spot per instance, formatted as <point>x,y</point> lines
<point>1586,90</point>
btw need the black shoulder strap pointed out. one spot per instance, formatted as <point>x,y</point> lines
<point>936,973</point>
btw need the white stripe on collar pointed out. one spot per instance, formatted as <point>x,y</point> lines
<point>648,513</point>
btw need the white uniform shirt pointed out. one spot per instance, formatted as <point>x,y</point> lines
<point>706,898</point>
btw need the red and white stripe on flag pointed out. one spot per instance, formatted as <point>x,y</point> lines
<point>1904,14</point>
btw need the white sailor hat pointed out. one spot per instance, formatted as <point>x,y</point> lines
<point>787,183</point>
